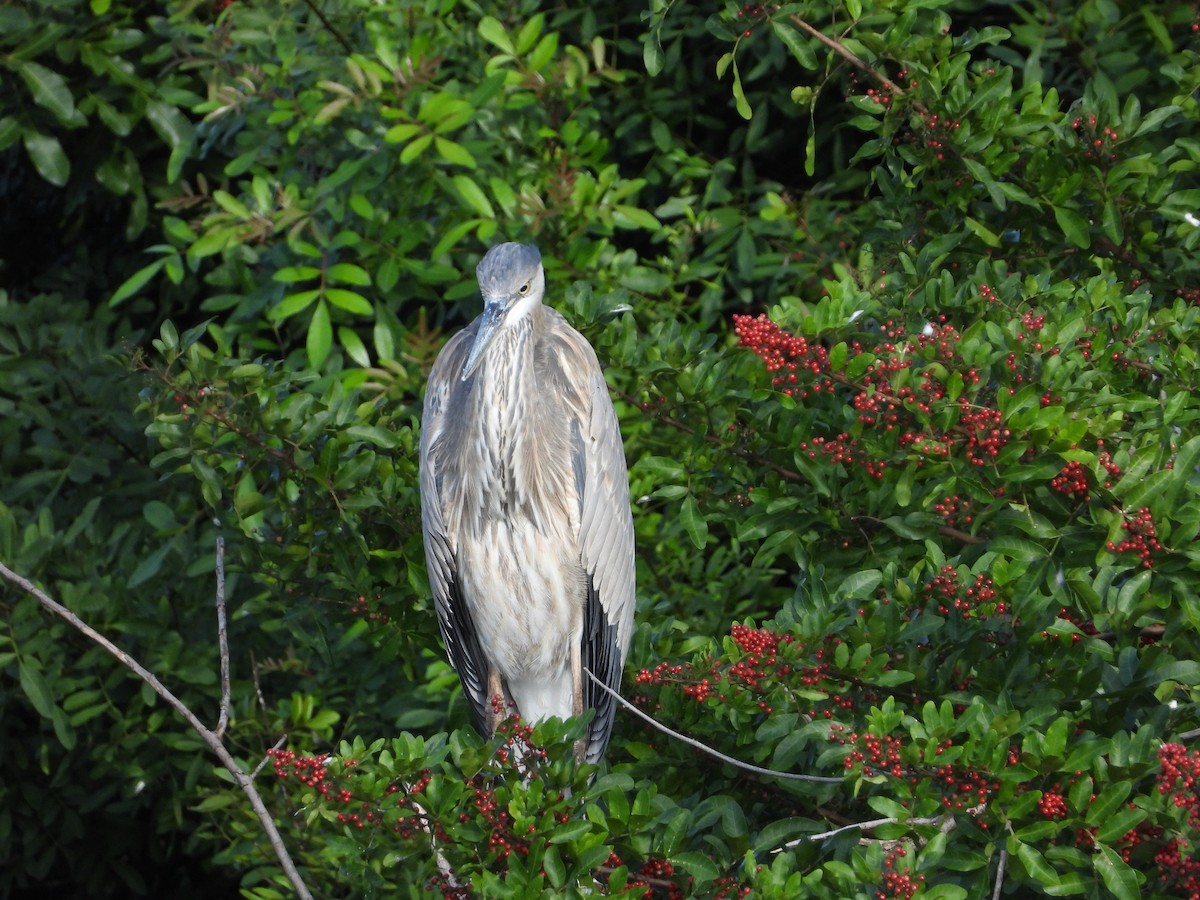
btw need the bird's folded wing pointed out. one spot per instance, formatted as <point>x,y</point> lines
<point>454,618</point>
<point>606,542</point>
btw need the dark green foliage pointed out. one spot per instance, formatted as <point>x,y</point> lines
<point>899,303</point>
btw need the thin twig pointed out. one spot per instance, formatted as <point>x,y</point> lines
<point>222,640</point>
<point>279,743</point>
<point>844,53</point>
<point>737,763</point>
<point>1188,735</point>
<point>439,858</point>
<point>213,742</point>
<point>864,826</point>
<point>1003,864</point>
<point>346,45</point>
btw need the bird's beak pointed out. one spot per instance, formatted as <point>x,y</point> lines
<point>489,325</point>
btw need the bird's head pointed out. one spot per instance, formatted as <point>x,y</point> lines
<point>513,283</point>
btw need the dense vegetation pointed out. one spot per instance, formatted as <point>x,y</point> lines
<point>900,304</point>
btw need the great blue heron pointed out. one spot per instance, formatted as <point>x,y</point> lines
<point>525,507</point>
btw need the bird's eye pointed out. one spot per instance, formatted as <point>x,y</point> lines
<point>523,289</point>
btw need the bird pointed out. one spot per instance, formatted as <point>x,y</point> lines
<point>528,531</point>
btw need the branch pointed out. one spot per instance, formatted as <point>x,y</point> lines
<point>844,53</point>
<point>940,821</point>
<point>329,26</point>
<point>1001,866</point>
<point>266,759</point>
<point>222,640</point>
<point>213,742</point>
<point>737,763</point>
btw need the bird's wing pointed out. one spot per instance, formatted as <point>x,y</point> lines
<point>454,618</point>
<point>606,543</point>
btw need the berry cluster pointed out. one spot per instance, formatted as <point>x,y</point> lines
<point>962,789</point>
<point>898,882</point>
<point>361,606</point>
<point>1180,779</point>
<point>876,755</point>
<point>948,596</point>
<point>1072,481</point>
<point>898,405</point>
<point>1141,538</point>
<point>1052,805</point>
<point>1097,139</point>
<point>311,771</point>
<point>753,13</point>
<point>955,511</point>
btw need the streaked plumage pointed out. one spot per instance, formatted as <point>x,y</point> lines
<point>525,507</point>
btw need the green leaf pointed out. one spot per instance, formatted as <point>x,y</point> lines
<point>174,128</point>
<point>47,156</point>
<point>136,282</point>
<point>801,49</point>
<point>698,865</point>
<point>1074,226</point>
<point>693,522</point>
<point>632,217</point>
<point>292,274</point>
<point>570,831</point>
<point>1116,874</point>
<point>1035,864</point>
<point>398,134</point>
<point>1117,826</point>
<point>160,516</point>
<point>37,690</point>
<point>474,196</point>
<point>349,301</point>
<point>454,153</point>
<point>982,232</point>
<point>739,96</point>
<point>50,91</point>
<point>320,336</point>
<point>493,32</point>
<point>723,64</point>
<point>292,304</point>
<point>414,149</point>
<point>652,51</point>
<point>348,273</point>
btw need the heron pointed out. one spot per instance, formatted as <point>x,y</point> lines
<point>525,509</point>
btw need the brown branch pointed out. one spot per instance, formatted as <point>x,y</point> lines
<point>329,26</point>
<point>840,50</point>
<point>222,640</point>
<point>214,743</point>
<point>961,536</point>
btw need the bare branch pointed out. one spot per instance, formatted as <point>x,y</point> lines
<point>717,754</point>
<point>222,640</point>
<point>214,743</point>
<point>866,826</point>
<point>279,743</point>
<point>444,868</point>
<point>1001,866</point>
<point>842,51</point>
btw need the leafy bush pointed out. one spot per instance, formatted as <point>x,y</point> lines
<point>906,388</point>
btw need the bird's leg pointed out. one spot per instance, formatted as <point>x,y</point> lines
<point>498,700</point>
<point>581,745</point>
